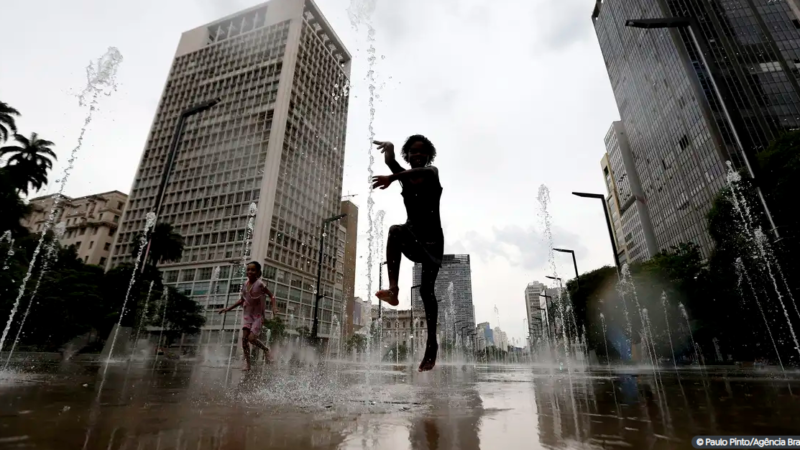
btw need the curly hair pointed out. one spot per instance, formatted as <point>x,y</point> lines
<point>427,145</point>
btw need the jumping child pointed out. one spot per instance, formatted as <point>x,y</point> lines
<point>420,238</point>
<point>253,300</point>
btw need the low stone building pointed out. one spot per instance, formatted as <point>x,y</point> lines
<point>91,222</point>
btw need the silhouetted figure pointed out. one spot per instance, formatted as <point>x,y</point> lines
<point>420,238</point>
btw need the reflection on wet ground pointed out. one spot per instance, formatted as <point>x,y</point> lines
<point>188,406</point>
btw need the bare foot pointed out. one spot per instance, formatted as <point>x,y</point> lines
<point>389,296</point>
<point>429,360</point>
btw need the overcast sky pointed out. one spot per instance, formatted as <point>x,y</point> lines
<point>513,93</point>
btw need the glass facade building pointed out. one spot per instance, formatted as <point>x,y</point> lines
<point>679,137</point>
<point>455,270</point>
<point>276,139</point>
<point>633,230</point>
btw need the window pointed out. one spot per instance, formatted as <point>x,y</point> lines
<point>116,219</point>
<point>83,231</point>
<point>111,232</point>
<point>91,244</point>
<point>107,247</point>
<point>119,205</point>
<point>102,261</point>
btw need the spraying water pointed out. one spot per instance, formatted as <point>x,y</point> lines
<point>544,202</point>
<point>669,332</point>
<point>49,257</point>
<point>742,275</point>
<point>759,239</point>
<point>150,221</point>
<point>605,339</point>
<point>248,237</point>
<point>163,324</point>
<point>142,318</point>
<point>691,335</point>
<point>7,237</point>
<point>100,80</point>
<point>360,13</point>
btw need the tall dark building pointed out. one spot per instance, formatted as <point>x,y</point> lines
<point>679,136</point>
<point>455,272</point>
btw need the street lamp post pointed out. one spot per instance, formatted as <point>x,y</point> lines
<point>380,288</point>
<point>574,262</point>
<point>319,295</point>
<point>699,41</point>
<point>411,292</point>
<point>602,198</point>
<point>173,150</point>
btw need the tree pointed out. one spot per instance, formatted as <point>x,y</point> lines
<point>12,207</point>
<point>165,245</point>
<point>7,122</point>
<point>303,332</point>
<point>183,316</point>
<point>277,329</point>
<point>29,162</point>
<point>356,342</point>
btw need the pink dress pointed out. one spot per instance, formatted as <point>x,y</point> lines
<point>255,297</point>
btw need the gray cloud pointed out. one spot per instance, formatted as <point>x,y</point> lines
<point>562,23</point>
<point>523,247</point>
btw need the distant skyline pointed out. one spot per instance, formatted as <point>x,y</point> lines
<point>498,141</point>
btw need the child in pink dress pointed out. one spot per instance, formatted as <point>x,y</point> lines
<point>253,300</point>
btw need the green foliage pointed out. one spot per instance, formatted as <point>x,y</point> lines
<point>7,121</point>
<point>183,316</point>
<point>357,343</point>
<point>277,329</point>
<point>402,353</point>
<point>12,207</point>
<point>29,162</point>
<point>165,245</point>
<point>303,332</point>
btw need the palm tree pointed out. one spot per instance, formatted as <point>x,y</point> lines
<point>7,123</point>
<point>29,161</point>
<point>165,245</point>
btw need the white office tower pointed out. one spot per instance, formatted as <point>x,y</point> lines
<point>275,139</point>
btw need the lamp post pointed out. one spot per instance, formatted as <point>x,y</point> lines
<point>602,198</point>
<point>699,41</point>
<point>173,150</point>
<point>319,295</point>
<point>574,262</point>
<point>380,288</point>
<point>411,292</point>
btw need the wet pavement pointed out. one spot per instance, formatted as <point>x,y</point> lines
<point>344,406</point>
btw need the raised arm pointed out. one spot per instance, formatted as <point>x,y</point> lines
<point>387,148</point>
<point>429,173</point>
<point>394,166</point>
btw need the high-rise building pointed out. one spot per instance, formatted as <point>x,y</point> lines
<point>453,291</point>
<point>614,214</point>
<point>276,139</point>
<point>680,137</point>
<point>500,339</point>
<point>484,336</point>
<point>636,240</point>
<point>533,309</point>
<point>91,222</point>
<point>350,224</point>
